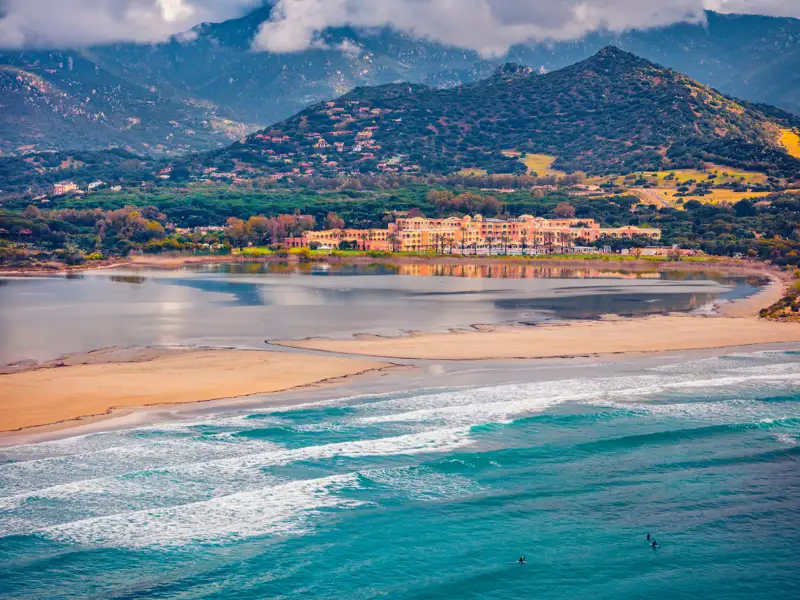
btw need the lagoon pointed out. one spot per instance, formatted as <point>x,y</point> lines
<point>242,305</point>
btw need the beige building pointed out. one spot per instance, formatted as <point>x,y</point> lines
<point>463,234</point>
<point>64,187</point>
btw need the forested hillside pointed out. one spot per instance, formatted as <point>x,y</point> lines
<point>612,113</point>
<point>201,90</point>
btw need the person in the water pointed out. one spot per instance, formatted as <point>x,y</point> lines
<point>654,544</point>
<point>648,536</point>
<point>522,560</point>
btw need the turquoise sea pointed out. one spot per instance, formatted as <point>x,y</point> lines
<point>431,493</point>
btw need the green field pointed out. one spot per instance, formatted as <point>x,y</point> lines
<point>472,172</point>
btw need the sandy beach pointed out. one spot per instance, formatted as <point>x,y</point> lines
<point>117,380</point>
<point>582,338</point>
<point>733,324</point>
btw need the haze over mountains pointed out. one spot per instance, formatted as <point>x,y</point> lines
<point>207,89</point>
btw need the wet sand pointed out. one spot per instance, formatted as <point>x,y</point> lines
<point>118,380</point>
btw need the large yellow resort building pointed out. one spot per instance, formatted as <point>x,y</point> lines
<point>473,234</point>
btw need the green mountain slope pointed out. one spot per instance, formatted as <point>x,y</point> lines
<point>64,101</point>
<point>202,90</point>
<point>612,113</point>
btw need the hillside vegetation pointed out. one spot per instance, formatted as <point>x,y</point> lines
<point>612,113</point>
<point>201,90</point>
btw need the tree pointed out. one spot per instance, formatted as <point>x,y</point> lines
<point>32,212</point>
<point>333,221</point>
<point>257,229</point>
<point>564,210</point>
<point>394,240</point>
<point>236,231</point>
<point>155,230</point>
<point>675,254</point>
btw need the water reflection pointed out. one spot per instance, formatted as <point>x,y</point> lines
<point>246,303</point>
<point>467,270</point>
<point>622,304</point>
<point>244,294</point>
<point>134,279</point>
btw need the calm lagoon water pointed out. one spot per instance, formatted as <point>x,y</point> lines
<point>245,304</point>
<point>432,493</point>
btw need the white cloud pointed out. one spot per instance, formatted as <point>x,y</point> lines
<point>63,23</point>
<point>349,48</point>
<point>489,26</point>
<point>777,8</point>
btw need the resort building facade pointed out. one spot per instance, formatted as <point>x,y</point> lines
<point>470,234</point>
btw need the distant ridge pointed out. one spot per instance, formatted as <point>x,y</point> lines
<point>614,112</point>
<point>201,91</point>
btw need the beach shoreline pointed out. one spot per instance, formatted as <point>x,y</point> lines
<point>112,382</point>
<point>326,362</point>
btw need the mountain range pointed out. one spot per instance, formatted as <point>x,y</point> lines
<point>611,113</point>
<point>208,88</point>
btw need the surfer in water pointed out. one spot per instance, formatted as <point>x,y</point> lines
<point>654,544</point>
<point>522,560</point>
<point>648,536</point>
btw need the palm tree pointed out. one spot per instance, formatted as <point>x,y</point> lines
<point>394,240</point>
<point>549,238</point>
<point>490,241</point>
<point>524,240</point>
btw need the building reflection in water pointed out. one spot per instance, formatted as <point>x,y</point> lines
<point>464,270</point>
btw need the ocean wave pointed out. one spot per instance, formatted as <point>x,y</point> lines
<point>670,436</point>
<point>218,475</point>
<point>279,510</point>
<point>436,440</point>
<point>40,474</point>
<point>509,402</point>
<point>418,483</point>
<point>728,411</point>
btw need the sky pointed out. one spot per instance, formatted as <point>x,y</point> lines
<point>487,26</point>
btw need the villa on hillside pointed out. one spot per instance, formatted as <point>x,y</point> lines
<point>65,187</point>
<point>474,235</point>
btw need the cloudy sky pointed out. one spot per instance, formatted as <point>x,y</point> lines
<point>488,26</point>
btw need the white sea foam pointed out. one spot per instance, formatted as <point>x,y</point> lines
<point>785,438</point>
<point>421,483</point>
<point>273,511</point>
<point>728,411</point>
<point>36,476</point>
<point>507,402</point>
<point>473,414</point>
<point>437,440</point>
<point>226,474</point>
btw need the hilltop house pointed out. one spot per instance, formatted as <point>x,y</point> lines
<point>59,189</point>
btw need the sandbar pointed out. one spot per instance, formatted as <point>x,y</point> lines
<point>570,339</point>
<point>115,380</point>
